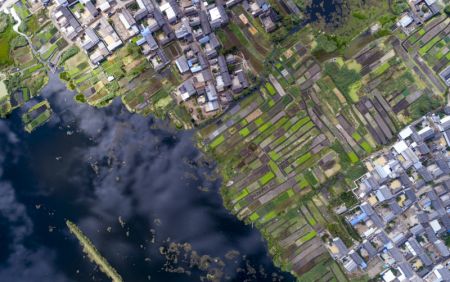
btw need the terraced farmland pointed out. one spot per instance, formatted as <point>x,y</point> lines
<point>274,152</point>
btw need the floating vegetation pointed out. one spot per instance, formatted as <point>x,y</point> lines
<point>37,116</point>
<point>93,254</point>
<point>182,258</point>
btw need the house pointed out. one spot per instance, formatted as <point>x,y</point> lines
<point>140,14</point>
<point>159,60</point>
<point>342,250</point>
<point>128,21</point>
<point>204,20</point>
<point>445,75</point>
<point>184,31</point>
<point>406,269</point>
<point>426,133</point>
<point>224,74</point>
<point>211,106</point>
<point>231,3</point>
<point>167,36</point>
<point>357,259</point>
<point>168,10</point>
<point>99,53</point>
<point>258,7</point>
<point>91,8</point>
<point>146,5</point>
<point>211,92</point>
<point>442,248</point>
<point>383,194</point>
<point>425,174</point>
<point>88,40</point>
<point>217,16</point>
<point>349,264</point>
<point>103,5</point>
<point>370,249</point>
<point>107,34</point>
<point>435,226</point>
<point>182,64</point>
<point>267,22</point>
<point>439,274</point>
<point>269,19</point>
<point>239,82</point>
<point>190,10</point>
<point>147,42</point>
<point>186,89</point>
<point>63,3</point>
<point>405,21</point>
<point>152,24</point>
<point>211,45</point>
<point>67,22</point>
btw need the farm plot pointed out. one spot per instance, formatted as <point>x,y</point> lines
<point>273,154</point>
<point>127,76</point>
<point>433,45</point>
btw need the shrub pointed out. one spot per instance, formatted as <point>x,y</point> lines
<point>67,54</point>
<point>343,77</point>
<point>326,43</point>
<point>64,76</point>
<point>447,10</point>
<point>18,41</point>
<point>80,98</point>
<point>423,105</point>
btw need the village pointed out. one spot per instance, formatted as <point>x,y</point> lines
<point>210,78</point>
<point>403,215</point>
<point>294,124</point>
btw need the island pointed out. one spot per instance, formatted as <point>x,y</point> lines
<point>93,254</point>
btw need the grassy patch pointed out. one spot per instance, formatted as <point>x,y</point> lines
<point>344,78</point>
<point>254,216</point>
<point>356,136</point>
<point>6,37</point>
<point>353,157</point>
<point>266,178</point>
<point>219,140</point>
<point>270,88</point>
<point>366,147</point>
<point>244,132</point>
<point>309,236</point>
<point>274,156</point>
<point>303,158</point>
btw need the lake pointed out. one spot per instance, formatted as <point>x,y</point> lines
<point>141,191</point>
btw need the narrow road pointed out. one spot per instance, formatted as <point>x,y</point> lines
<point>18,20</point>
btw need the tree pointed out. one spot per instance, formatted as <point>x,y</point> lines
<point>133,6</point>
<point>447,10</point>
<point>447,240</point>
<point>18,41</point>
<point>80,98</point>
<point>326,43</point>
<point>399,6</point>
<point>423,105</point>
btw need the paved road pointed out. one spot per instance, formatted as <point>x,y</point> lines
<point>16,29</point>
<point>4,6</point>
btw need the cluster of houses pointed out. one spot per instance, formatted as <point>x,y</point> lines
<point>403,215</point>
<point>99,27</point>
<point>260,9</point>
<point>420,12</point>
<point>207,74</point>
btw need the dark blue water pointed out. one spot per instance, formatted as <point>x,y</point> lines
<point>328,11</point>
<point>133,186</point>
